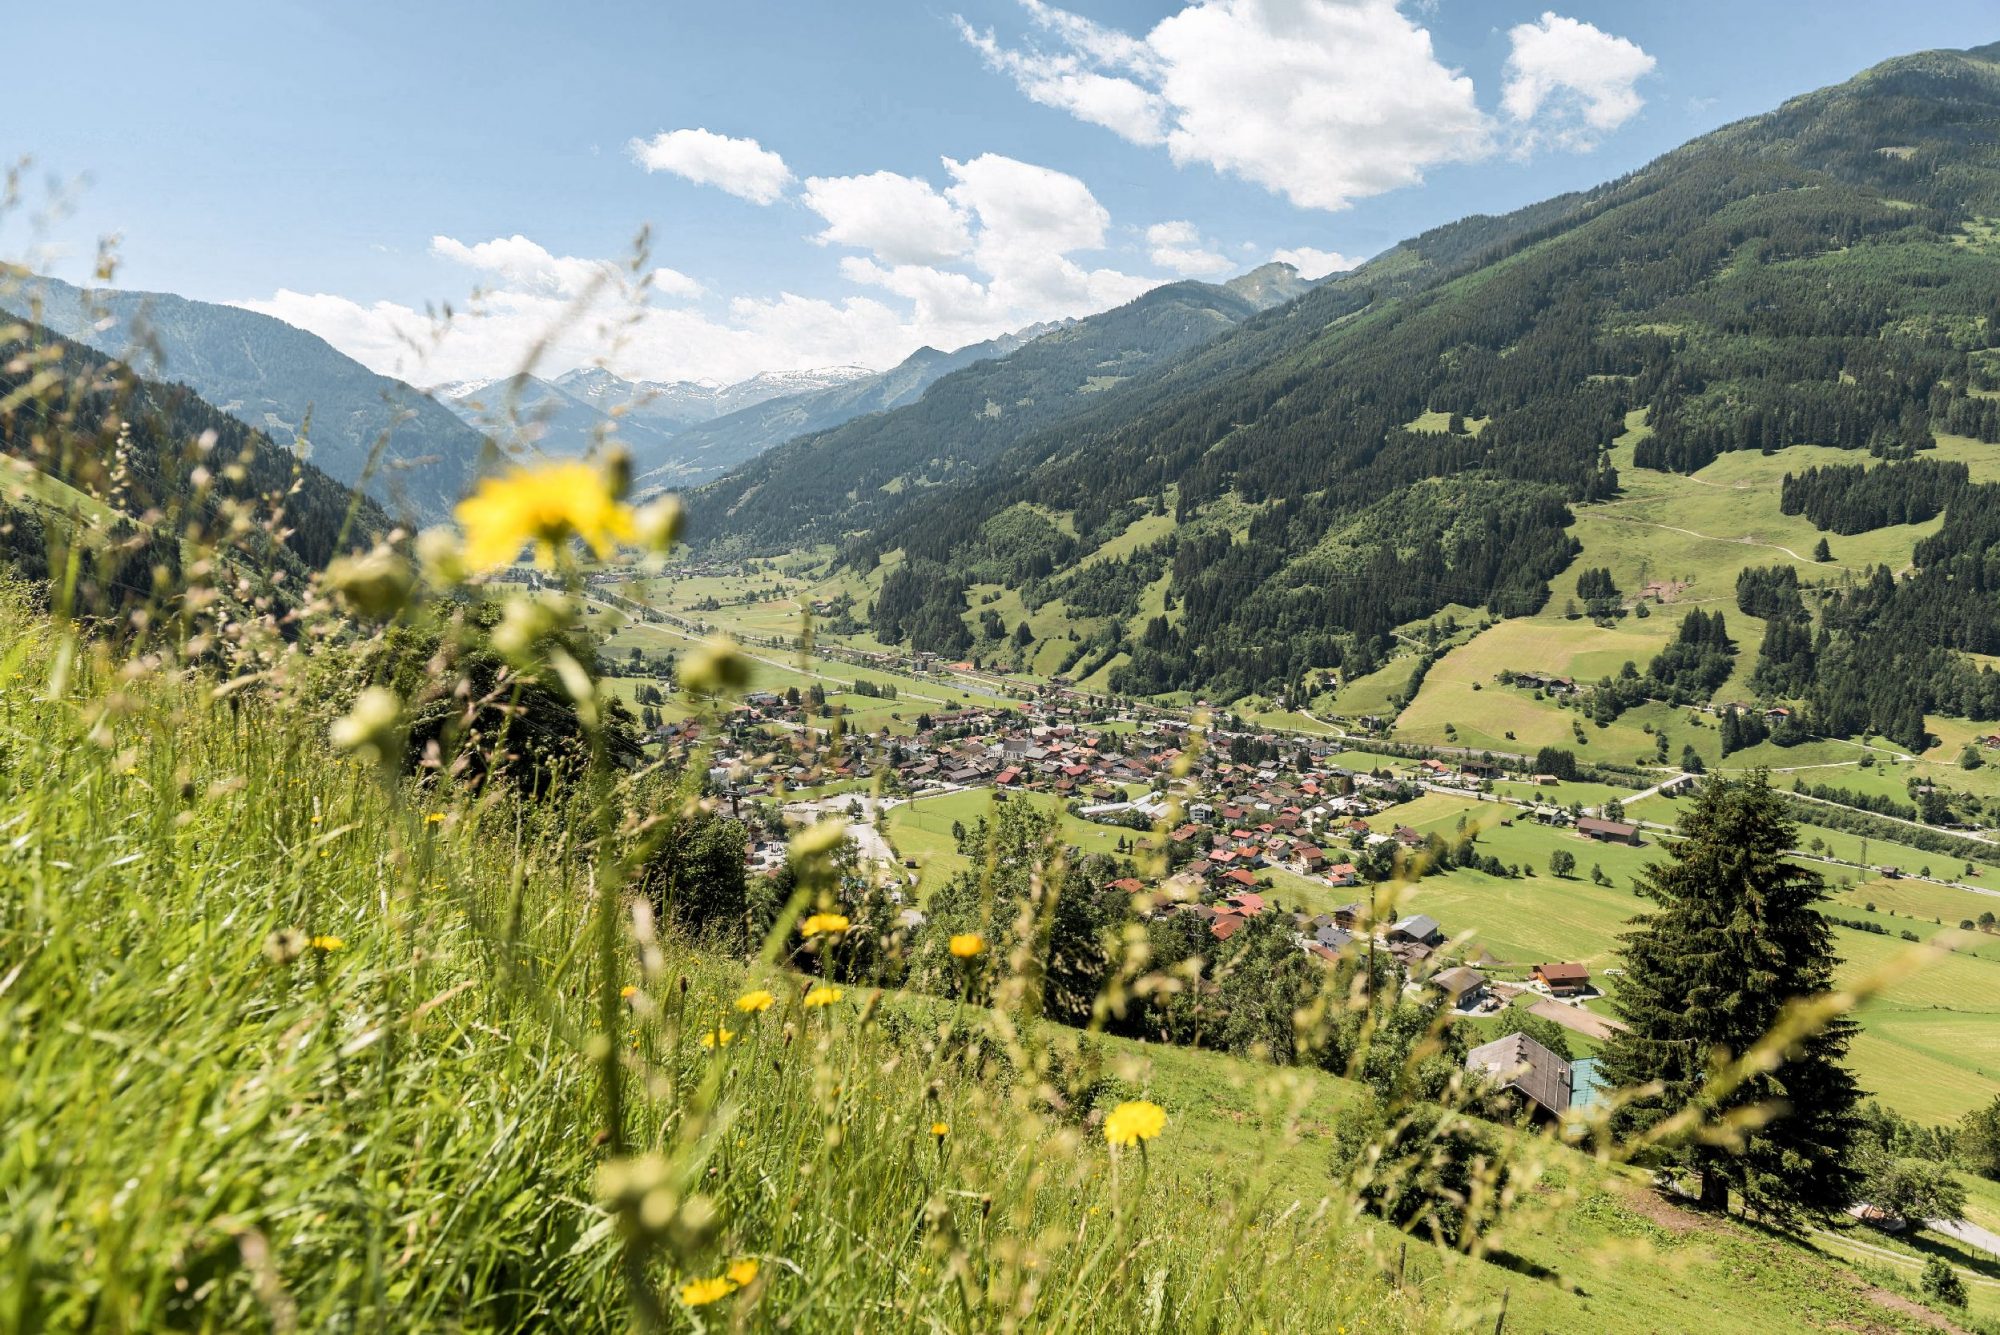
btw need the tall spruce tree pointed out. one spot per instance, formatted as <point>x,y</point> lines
<point>1736,937</point>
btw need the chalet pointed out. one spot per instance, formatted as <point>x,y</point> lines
<point>1131,885</point>
<point>1333,938</point>
<point>1464,988</point>
<point>1248,903</point>
<point>1408,837</point>
<point>1564,980</point>
<point>1242,878</point>
<point>1310,858</point>
<point>1412,955</point>
<point>1226,925</point>
<point>1543,681</point>
<point>1607,831</point>
<point>1342,874</point>
<point>1480,769</point>
<point>1520,1066</point>
<point>1418,929</point>
<point>1349,915</point>
<point>1007,777</point>
<point>1545,780</point>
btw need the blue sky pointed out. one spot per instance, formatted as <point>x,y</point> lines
<point>870,177</point>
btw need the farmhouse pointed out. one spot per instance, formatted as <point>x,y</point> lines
<point>1607,831</point>
<point>1464,988</point>
<point>1519,1065</point>
<point>1417,929</point>
<point>1564,980</point>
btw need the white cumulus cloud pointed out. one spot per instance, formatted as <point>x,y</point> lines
<point>1179,246</point>
<point>1322,101</point>
<point>902,219</point>
<point>1577,79</point>
<point>743,167</point>
<point>998,245</point>
<point>1312,262</point>
<point>523,265</point>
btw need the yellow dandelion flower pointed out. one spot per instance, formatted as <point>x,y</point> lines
<point>1133,1122</point>
<point>702,1292</point>
<point>741,1272</point>
<point>435,818</point>
<point>940,1129</point>
<point>752,1002</point>
<point>328,943</point>
<point>628,991</point>
<point>968,945</point>
<point>824,995</point>
<point>829,923</point>
<point>718,1038</point>
<point>545,505</point>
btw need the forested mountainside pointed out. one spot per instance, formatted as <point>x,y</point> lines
<point>283,381</point>
<point>705,451</point>
<point>1826,274</point>
<point>148,465</point>
<point>824,485</point>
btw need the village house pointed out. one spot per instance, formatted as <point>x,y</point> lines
<point>1518,1065</point>
<point>1607,831</point>
<point>1417,929</point>
<point>1563,980</point>
<point>1464,988</point>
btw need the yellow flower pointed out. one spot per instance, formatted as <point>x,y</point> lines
<point>752,1002</point>
<point>742,1272</point>
<point>1133,1122</point>
<point>328,943</point>
<point>628,991</point>
<point>823,995</point>
<point>718,1037</point>
<point>824,922</point>
<point>435,818</point>
<point>546,505</point>
<point>968,945</point>
<point>940,1129</point>
<point>702,1292</point>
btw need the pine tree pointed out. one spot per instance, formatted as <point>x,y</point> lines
<point>1737,937</point>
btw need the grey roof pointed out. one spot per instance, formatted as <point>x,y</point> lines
<point>1418,927</point>
<point>1457,982</point>
<point>1518,1062</point>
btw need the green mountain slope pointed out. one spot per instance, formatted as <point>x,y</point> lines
<point>132,470</point>
<point>278,379</point>
<point>836,481</point>
<point>1823,274</point>
<point>700,453</point>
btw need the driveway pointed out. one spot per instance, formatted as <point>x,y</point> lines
<point>1588,1023</point>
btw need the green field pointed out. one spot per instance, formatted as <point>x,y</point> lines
<point>921,830</point>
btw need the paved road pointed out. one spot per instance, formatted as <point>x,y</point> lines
<point>1972,1235</point>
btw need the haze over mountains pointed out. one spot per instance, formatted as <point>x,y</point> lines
<point>285,382</point>
<point>418,452</point>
